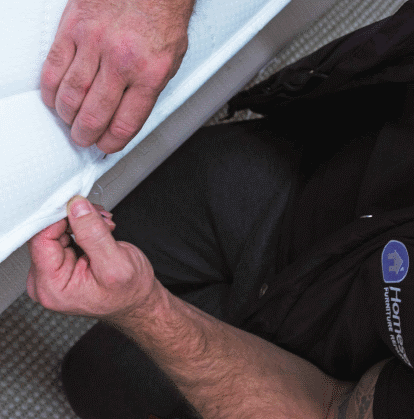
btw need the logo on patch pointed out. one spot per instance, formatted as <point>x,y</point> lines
<point>395,262</point>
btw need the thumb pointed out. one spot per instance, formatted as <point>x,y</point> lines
<point>91,232</point>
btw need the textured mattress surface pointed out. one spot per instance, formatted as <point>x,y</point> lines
<point>41,167</point>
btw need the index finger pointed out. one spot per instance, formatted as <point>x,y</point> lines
<point>58,60</point>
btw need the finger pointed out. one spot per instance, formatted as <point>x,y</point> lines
<point>57,63</point>
<point>103,212</point>
<point>76,83</point>
<point>107,216</point>
<point>110,224</point>
<point>99,207</point>
<point>98,108</point>
<point>64,240</point>
<point>45,249</point>
<point>135,108</point>
<point>92,233</point>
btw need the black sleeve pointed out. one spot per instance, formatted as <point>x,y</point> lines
<point>394,392</point>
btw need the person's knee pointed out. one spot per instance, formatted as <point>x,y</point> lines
<point>106,376</point>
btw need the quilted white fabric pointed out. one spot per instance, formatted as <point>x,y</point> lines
<point>41,167</point>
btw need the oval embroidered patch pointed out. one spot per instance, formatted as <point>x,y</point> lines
<point>395,262</point>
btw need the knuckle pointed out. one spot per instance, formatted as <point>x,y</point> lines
<point>130,263</point>
<point>118,277</point>
<point>120,274</point>
<point>161,71</point>
<point>77,83</point>
<point>107,103</point>
<point>90,122</point>
<point>68,102</point>
<point>136,260</point>
<point>125,63</point>
<point>122,130</point>
<point>71,93</point>
<point>87,30</point>
<point>92,230</point>
<point>126,275</point>
<point>49,78</point>
<point>56,56</point>
<point>112,274</point>
<point>178,60</point>
<point>158,81</point>
<point>184,46</point>
<point>33,243</point>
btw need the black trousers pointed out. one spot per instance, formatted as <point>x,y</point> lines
<point>192,218</point>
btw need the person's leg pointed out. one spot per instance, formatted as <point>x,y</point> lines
<point>191,217</point>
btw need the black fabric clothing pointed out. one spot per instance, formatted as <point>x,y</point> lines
<point>359,86</point>
<point>106,376</point>
<point>207,219</point>
<point>394,392</point>
<point>209,216</point>
<point>298,228</point>
<point>169,216</point>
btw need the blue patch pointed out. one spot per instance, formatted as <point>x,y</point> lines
<point>395,262</point>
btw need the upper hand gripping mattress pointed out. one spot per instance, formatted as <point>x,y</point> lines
<point>41,167</point>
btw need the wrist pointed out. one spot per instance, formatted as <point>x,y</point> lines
<point>152,307</point>
<point>180,10</point>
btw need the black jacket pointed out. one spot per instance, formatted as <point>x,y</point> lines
<point>328,297</point>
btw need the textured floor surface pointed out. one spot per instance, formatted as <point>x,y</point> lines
<point>33,340</point>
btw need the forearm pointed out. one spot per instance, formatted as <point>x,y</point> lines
<point>223,371</point>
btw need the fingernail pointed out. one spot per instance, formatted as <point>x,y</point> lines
<point>79,207</point>
<point>109,222</point>
<point>106,214</point>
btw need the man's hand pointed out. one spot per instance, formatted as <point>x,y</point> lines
<point>111,279</point>
<point>109,62</point>
<point>224,372</point>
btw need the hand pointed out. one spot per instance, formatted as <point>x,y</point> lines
<point>109,281</point>
<point>108,64</point>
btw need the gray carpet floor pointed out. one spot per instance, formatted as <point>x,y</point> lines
<point>33,340</point>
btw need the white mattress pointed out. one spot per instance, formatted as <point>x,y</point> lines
<point>41,167</point>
